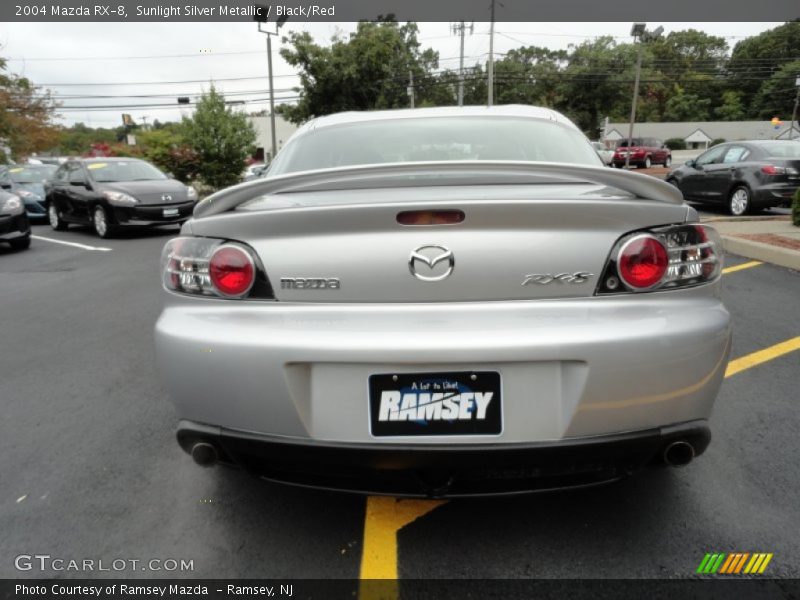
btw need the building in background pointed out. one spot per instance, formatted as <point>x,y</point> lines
<point>700,134</point>
<point>283,131</point>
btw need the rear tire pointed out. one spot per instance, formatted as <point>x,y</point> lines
<point>667,161</point>
<point>100,222</point>
<point>739,201</point>
<point>648,163</point>
<point>55,219</point>
<point>20,243</point>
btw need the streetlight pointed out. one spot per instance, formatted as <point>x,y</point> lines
<point>261,17</point>
<point>639,32</point>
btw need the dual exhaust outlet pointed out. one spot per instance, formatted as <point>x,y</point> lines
<point>675,454</point>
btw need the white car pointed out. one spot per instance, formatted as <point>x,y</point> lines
<point>604,153</point>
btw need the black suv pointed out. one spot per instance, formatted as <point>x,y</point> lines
<point>109,193</point>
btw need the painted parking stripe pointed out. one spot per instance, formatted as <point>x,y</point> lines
<point>742,267</point>
<point>762,356</point>
<point>73,244</point>
<point>385,516</point>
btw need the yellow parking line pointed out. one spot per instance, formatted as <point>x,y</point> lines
<point>384,518</point>
<point>741,267</point>
<point>762,356</point>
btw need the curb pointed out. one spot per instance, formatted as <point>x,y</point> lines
<point>776,255</point>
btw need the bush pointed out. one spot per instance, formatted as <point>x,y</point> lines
<point>676,144</point>
<point>796,209</point>
<point>717,141</point>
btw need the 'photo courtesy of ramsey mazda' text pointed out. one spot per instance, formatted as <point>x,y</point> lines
<point>443,302</point>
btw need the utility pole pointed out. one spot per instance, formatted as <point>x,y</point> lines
<point>261,17</point>
<point>638,32</point>
<point>460,29</point>
<point>633,104</point>
<point>794,111</point>
<point>490,69</point>
<point>411,87</point>
<point>144,122</point>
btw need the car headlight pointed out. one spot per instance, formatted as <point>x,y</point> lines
<point>120,199</point>
<point>191,193</point>
<point>12,206</point>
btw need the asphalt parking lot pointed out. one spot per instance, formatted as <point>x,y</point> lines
<point>91,470</point>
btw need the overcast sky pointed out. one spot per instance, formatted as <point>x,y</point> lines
<point>102,54</point>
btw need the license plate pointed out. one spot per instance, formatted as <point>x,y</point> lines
<point>423,404</point>
<point>170,212</point>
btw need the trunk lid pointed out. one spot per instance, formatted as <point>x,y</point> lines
<point>516,241</point>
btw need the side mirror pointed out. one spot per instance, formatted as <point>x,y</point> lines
<point>170,174</point>
<point>690,163</point>
<point>5,186</point>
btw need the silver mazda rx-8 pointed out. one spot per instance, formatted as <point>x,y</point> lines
<point>443,302</point>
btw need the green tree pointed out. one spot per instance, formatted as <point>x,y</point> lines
<point>27,115</point>
<point>368,70</point>
<point>686,107</point>
<point>732,107</point>
<point>221,138</point>
<point>775,97</point>
<point>754,60</point>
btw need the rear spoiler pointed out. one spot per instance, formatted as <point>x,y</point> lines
<point>446,173</point>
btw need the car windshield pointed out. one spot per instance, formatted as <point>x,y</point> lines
<point>634,142</point>
<point>786,150</point>
<point>128,170</point>
<point>435,139</point>
<point>32,173</point>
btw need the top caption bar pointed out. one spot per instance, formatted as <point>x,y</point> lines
<point>402,10</point>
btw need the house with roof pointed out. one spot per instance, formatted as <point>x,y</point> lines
<point>700,134</point>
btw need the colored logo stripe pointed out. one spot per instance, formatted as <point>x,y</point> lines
<point>734,563</point>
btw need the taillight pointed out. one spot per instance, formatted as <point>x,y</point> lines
<point>663,258</point>
<point>213,267</point>
<point>773,170</point>
<point>231,271</point>
<point>642,262</point>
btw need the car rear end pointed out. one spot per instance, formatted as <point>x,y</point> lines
<point>396,336</point>
<point>777,177</point>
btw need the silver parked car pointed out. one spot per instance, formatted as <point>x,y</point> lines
<point>443,302</point>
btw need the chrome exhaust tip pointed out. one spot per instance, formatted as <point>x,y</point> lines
<point>204,454</point>
<point>678,454</point>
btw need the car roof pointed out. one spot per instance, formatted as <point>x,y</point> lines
<point>507,110</point>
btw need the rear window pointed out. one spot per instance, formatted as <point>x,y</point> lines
<point>435,139</point>
<point>787,150</point>
<point>634,142</point>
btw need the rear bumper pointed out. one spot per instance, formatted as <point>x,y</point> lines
<point>569,368</point>
<point>444,470</point>
<point>778,194</point>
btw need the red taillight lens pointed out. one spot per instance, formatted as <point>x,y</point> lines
<point>231,271</point>
<point>773,170</point>
<point>642,262</point>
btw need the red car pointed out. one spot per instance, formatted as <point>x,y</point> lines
<point>645,152</point>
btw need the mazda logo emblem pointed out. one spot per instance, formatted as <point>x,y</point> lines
<point>166,198</point>
<point>430,256</point>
